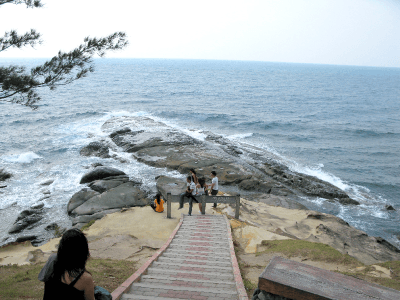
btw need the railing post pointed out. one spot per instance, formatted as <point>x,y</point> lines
<point>169,205</point>
<point>237,207</point>
<point>203,204</point>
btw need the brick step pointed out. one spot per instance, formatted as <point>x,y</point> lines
<point>179,274</point>
<point>218,252</point>
<point>202,236</point>
<point>142,297</point>
<point>180,292</point>
<point>203,230</point>
<point>206,254</point>
<point>199,222</point>
<point>184,260</point>
<point>190,267</point>
<point>215,234</point>
<point>206,245</point>
<point>228,283</point>
<point>204,284</point>
<point>202,240</point>
<point>197,257</point>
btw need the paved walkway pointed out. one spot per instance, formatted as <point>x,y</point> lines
<point>199,263</point>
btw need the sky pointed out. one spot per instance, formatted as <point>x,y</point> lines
<point>338,32</point>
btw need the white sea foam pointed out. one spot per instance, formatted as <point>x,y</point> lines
<point>24,158</point>
<point>239,136</point>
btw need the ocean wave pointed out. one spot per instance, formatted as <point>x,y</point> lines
<point>24,158</point>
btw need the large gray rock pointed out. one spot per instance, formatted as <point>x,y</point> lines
<point>87,218</point>
<point>96,149</point>
<point>104,185</point>
<point>172,185</point>
<point>79,198</point>
<point>100,173</point>
<point>24,223</point>
<point>124,195</point>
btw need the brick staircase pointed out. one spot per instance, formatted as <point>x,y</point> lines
<point>199,263</point>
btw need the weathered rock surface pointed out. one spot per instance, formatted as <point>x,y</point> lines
<point>80,197</point>
<point>318,227</point>
<point>47,182</point>
<point>108,183</point>
<point>100,173</point>
<point>164,147</point>
<point>96,149</point>
<point>27,218</point>
<point>124,195</point>
<point>87,218</point>
<point>172,185</point>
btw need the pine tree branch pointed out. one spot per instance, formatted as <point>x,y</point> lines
<point>28,3</point>
<point>12,39</point>
<point>60,70</point>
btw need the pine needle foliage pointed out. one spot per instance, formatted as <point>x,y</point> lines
<point>19,85</point>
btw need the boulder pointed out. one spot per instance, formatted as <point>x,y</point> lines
<point>87,218</point>
<point>47,182</point>
<point>124,195</point>
<point>100,173</point>
<point>95,149</point>
<point>79,198</point>
<point>26,238</point>
<point>24,223</point>
<point>389,207</point>
<point>172,185</point>
<point>104,185</point>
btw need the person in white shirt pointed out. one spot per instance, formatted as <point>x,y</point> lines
<point>214,185</point>
<point>189,193</point>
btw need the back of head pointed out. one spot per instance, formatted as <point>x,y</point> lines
<point>214,173</point>
<point>72,254</point>
<point>158,198</point>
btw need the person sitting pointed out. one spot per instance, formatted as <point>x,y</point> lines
<point>158,204</point>
<point>65,275</point>
<point>189,193</point>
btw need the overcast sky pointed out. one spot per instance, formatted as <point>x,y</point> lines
<point>340,32</point>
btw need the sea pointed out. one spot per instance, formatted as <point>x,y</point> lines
<point>338,123</point>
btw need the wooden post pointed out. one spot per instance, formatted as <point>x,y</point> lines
<point>169,205</point>
<point>237,207</point>
<point>203,204</point>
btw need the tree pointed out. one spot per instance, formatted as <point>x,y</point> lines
<point>20,86</point>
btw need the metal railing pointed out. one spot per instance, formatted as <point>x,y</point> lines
<point>206,199</point>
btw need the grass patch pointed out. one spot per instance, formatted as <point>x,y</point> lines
<point>20,282</point>
<point>308,250</point>
<point>88,225</point>
<point>249,286</point>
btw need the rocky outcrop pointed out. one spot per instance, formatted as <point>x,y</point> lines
<point>96,149</point>
<point>165,147</point>
<point>4,175</point>
<point>317,227</point>
<point>100,173</point>
<point>108,191</point>
<point>124,195</point>
<point>27,218</point>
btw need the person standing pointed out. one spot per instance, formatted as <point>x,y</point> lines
<point>189,193</point>
<point>214,185</point>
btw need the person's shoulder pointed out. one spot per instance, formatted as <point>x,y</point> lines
<point>86,278</point>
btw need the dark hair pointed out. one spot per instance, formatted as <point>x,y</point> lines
<point>72,255</point>
<point>202,181</point>
<point>193,171</point>
<point>158,198</point>
<point>214,173</point>
<point>189,177</point>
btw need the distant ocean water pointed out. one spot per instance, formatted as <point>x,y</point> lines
<point>338,123</point>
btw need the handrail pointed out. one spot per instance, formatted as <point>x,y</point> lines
<point>206,199</point>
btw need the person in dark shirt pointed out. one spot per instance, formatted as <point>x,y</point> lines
<point>65,274</point>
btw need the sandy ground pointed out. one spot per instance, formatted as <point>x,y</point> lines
<point>133,234</point>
